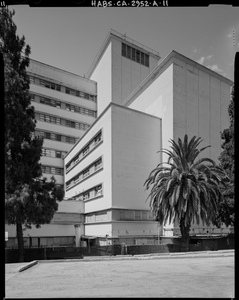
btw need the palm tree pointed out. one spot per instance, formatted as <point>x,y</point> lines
<point>185,190</point>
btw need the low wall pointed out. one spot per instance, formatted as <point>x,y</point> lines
<point>196,244</point>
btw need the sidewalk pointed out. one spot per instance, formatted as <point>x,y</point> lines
<point>19,267</point>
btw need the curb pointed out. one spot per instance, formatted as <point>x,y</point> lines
<point>172,255</point>
<point>29,265</point>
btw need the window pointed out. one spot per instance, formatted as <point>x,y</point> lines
<point>142,58</point>
<point>32,79</point>
<point>70,140</point>
<point>70,124</point>
<point>129,52</point>
<point>138,56</point>
<point>47,84</point>
<point>67,91</point>
<point>32,97</point>
<point>97,139</point>
<point>86,150</point>
<point>135,55</point>
<point>98,190</point>
<point>86,173</point>
<point>58,171</point>
<point>58,154</point>
<point>146,60</point>
<point>98,164</point>
<point>124,50</point>
<point>47,135</point>
<point>91,97</point>
<point>86,196</point>
<point>58,137</point>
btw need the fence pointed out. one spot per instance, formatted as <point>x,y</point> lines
<point>11,255</point>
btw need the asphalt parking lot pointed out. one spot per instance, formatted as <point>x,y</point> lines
<point>209,275</point>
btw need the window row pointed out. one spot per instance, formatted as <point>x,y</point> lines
<point>90,146</point>
<point>62,105</point>
<point>53,153</point>
<point>52,170</point>
<point>59,121</point>
<point>56,137</point>
<point>91,193</point>
<point>84,174</point>
<point>79,94</point>
<point>61,88</point>
<point>96,217</point>
<point>135,55</point>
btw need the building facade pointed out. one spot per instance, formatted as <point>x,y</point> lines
<point>112,142</point>
<point>65,107</point>
<point>106,170</point>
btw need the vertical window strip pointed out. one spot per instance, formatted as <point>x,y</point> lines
<point>135,55</point>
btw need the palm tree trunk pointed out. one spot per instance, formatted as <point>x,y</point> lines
<point>20,242</point>
<point>185,229</point>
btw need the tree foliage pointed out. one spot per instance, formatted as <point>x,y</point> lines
<point>185,189</point>
<point>29,199</point>
<point>226,213</point>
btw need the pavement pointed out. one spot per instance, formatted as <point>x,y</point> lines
<point>207,274</point>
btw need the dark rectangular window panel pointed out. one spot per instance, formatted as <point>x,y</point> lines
<point>142,58</point>
<point>138,56</point>
<point>124,50</point>
<point>146,60</point>
<point>133,54</point>
<point>129,52</point>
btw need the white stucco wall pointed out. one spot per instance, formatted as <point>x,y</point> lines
<point>98,229</point>
<point>157,99</point>
<point>46,230</point>
<point>200,106</point>
<point>136,137</point>
<point>134,228</point>
<point>103,76</point>
<point>126,73</point>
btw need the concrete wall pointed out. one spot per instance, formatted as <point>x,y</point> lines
<point>134,228</point>
<point>156,98</point>
<point>45,230</point>
<point>126,73</point>
<point>200,106</point>
<point>135,138</point>
<point>103,76</point>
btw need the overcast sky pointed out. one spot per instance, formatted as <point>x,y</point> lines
<point>69,38</point>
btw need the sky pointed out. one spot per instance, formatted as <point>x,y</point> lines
<point>70,38</point>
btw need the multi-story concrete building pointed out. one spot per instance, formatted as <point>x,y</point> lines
<point>186,96</point>
<point>65,107</point>
<point>107,169</point>
<point>142,103</point>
